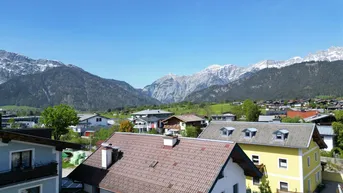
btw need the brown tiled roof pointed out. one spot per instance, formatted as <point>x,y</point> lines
<point>186,118</point>
<point>192,165</point>
<point>301,114</point>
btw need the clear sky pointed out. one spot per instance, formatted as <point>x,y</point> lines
<point>139,41</point>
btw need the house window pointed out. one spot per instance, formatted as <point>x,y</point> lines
<point>282,163</point>
<point>247,134</point>
<point>309,185</point>
<point>279,136</point>
<point>98,119</point>
<point>256,181</point>
<point>308,161</point>
<point>235,188</point>
<point>255,159</point>
<point>21,160</point>
<point>36,189</point>
<point>317,177</point>
<point>224,132</point>
<point>284,186</point>
<point>316,156</point>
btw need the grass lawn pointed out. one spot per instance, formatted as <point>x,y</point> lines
<point>13,107</point>
<point>67,165</point>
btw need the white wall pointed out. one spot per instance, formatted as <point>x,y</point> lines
<point>92,121</point>
<point>182,125</point>
<point>233,174</point>
<point>329,142</point>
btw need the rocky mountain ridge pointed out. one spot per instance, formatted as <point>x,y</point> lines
<point>173,88</point>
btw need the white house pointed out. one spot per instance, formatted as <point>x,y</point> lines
<point>87,121</point>
<point>149,119</point>
<point>328,135</point>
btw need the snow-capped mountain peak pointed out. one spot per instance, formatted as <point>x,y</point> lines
<point>13,64</point>
<point>175,88</point>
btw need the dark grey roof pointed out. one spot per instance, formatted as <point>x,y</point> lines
<point>299,135</point>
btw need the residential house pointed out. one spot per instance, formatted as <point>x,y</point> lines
<point>90,123</point>
<point>131,162</point>
<point>178,123</point>
<point>287,152</point>
<point>328,135</point>
<point>30,161</point>
<point>149,119</point>
<point>269,118</point>
<point>224,117</point>
<point>301,114</point>
<point>321,119</point>
<point>23,122</point>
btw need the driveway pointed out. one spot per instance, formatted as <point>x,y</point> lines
<point>330,187</point>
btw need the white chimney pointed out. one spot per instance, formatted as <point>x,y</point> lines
<point>169,141</point>
<point>109,155</point>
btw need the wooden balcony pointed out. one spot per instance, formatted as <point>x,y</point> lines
<point>22,175</point>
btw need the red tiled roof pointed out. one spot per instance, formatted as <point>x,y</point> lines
<point>301,114</point>
<point>192,165</point>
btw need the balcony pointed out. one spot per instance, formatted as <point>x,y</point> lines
<point>21,175</point>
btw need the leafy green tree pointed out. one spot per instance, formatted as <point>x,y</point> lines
<point>264,186</point>
<point>338,129</point>
<point>291,120</point>
<point>59,118</point>
<point>192,131</point>
<point>126,126</point>
<point>238,111</point>
<point>339,115</point>
<point>251,110</point>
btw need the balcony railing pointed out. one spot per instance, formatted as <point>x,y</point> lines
<point>21,175</point>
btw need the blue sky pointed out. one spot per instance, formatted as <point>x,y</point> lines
<point>139,41</point>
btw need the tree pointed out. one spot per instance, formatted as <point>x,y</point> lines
<point>59,118</point>
<point>339,115</point>
<point>291,120</point>
<point>251,110</point>
<point>192,131</point>
<point>238,111</point>
<point>126,126</point>
<point>264,186</point>
<point>338,129</point>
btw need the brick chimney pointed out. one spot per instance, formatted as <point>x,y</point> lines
<point>109,155</point>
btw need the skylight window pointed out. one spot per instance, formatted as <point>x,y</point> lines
<point>227,131</point>
<point>250,132</point>
<point>281,134</point>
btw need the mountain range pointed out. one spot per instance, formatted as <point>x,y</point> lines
<point>41,83</point>
<point>302,80</point>
<point>172,88</point>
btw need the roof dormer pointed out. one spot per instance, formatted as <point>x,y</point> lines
<point>281,134</point>
<point>227,131</point>
<point>249,132</point>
